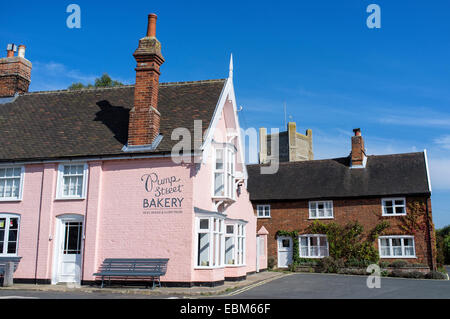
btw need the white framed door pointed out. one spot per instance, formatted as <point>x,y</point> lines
<point>284,252</point>
<point>68,249</point>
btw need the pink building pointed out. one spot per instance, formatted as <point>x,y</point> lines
<point>153,170</point>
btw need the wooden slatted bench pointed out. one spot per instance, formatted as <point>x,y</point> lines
<point>125,268</point>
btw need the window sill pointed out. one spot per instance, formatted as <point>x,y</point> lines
<point>208,268</point>
<point>62,199</point>
<point>225,199</point>
<point>393,215</point>
<point>321,218</point>
<point>265,217</point>
<point>314,257</point>
<point>235,266</point>
<point>10,200</point>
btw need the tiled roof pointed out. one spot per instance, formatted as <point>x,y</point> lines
<point>387,175</point>
<point>94,122</point>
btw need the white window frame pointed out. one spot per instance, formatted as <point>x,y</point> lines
<point>60,184</point>
<point>261,211</point>
<point>319,237</point>
<point>216,249</point>
<point>316,204</point>
<point>21,184</point>
<point>401,237</point>
<point>228,172</point>
<point>394,206</point>
<point>6,235</point>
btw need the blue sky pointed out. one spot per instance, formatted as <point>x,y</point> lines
<point>318,57</point>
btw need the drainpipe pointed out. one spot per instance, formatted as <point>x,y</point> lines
<point>39,226</point>
<point>430,245</point>
<point>85,224</point>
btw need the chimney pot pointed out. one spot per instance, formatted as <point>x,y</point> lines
<point>21,53</point>
<point>151,29</point>
<point>357,131</point>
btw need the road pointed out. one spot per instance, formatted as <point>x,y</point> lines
<point>328,286</point>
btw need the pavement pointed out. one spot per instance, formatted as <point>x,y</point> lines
<point>23,291</point>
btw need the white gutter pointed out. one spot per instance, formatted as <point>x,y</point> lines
<point>94,159</point>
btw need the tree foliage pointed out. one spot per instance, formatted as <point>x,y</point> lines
<point>101,82</point>
<point>443,245</point>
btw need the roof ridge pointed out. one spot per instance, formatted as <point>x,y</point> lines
<point>336,158</point>
<point>126,86</point>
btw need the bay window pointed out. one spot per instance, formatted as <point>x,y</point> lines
<point>9,234</point>
<point>313,246</point>
<point>397,247</point>
<point>11,181</point>
<point>210,242</point>
<point>224,172</point>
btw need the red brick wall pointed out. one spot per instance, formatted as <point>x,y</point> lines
<point>294,215</point>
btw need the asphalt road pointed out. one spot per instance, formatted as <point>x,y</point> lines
<point>324,286</point>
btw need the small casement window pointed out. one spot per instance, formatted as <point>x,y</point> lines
<point>397,247</point>
<point>313,246</point>
<point>224,173</point>
<point>263,211</point>
<point>72,181</point>
<point>321,210</point>
<point>9,234</point>
<point>394,206</point>
<point>11,180</point>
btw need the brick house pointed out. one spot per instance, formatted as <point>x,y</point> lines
<point>368,189</point>
<point>92,174</point>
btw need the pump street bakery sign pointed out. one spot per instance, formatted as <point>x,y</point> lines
<point>166,193</point>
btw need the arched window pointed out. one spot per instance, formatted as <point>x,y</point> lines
<point>9,234</point>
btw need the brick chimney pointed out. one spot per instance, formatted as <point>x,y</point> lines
<point>15,72</point>
<point>359,158</point>
<point>144,117</point>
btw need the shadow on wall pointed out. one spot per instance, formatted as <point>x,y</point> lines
<point>116,118</point>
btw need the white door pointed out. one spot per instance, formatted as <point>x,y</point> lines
<point>69,245</point>
<point>284,252</point>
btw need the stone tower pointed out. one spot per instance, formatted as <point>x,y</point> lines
<point>293,146</point>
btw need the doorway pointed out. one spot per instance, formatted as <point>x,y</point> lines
<point>68,249</point>
<point>284,252</point>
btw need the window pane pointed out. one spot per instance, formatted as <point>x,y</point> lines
<point>203,249</point>
<point>229,251</point>
<point>286,243</point>
<point>12,247</point>
<point>219,159</point>
<point>230,229</point>
<point>399,210</point>
<point>204,223</point>
<point>219,187</point>
<point>17,172</point>
<point>66,170</point>
<point>2,172</point>
<point>73,239</point>
<point>399,202</point>
<point>389,210</point>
